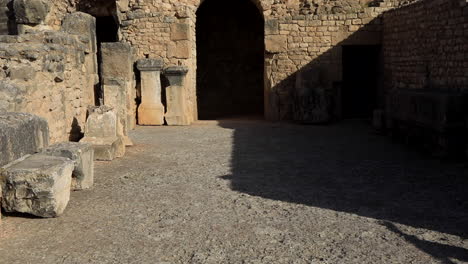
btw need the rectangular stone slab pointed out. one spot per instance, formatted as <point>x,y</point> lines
<point>21,134</point>
<point>37,185</point>
<point>82,154</point>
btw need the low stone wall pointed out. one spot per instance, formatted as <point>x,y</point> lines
<point>48,74</point>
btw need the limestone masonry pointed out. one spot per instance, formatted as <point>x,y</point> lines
<point>91,70</point>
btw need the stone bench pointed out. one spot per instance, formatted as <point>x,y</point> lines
<point>37,185</point>
<point>82,154</point>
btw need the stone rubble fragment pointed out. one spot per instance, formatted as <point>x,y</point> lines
<point>37,185</point>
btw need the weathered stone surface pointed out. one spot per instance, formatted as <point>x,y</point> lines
<point>102,133</point>
<point>101,122</point>
<point>276,43</point>
<point>119,85</point>
<point>30,11</point>
<point>82,154</point>
<point>116,61</point>
<point>21,134</point>
<point>312,99</point>
<point>180,31</point>
<point>49,74</point>
<point>38,185</point>
<point>175,97</point>
<point>79,23</point>
<point>106,149</point>
<point>179,50</point>
<point>151,109</point>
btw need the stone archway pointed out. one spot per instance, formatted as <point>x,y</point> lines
<point>230,59</point>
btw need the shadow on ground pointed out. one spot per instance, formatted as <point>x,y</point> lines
<point>346,168</point>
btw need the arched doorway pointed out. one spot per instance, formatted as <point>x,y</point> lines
<point>230,59</point>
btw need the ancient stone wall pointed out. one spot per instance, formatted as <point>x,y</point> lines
<point>48,74</point>
<point>303,42</point>
<point>426,74</point>
<point>299,35</point>
<point>425,45</point>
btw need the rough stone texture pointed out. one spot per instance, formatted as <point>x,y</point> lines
<point>101,132</point>
<point>38,185</point>
<point>30,11</point>
<point>46,74</point>
<point>82,156</point>
<point>119,84</point>
<point>5,17</point>
<point>424,46</point>
<point>426,80</point>
<point>298,35</point>
<point>21,134</point>
<point>246,192</point>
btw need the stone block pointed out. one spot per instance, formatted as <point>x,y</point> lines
<point>271,27</point>
<point>101,132</point>
<point>79,23</point>
<point>106,149</point>
<point>179,49</point>
<point>37,185</point>
<point>180,31</point>
<point>177,114</point>
<point>82,154</point>
<point>21,134</point>
<point>30,11</point>
<point>276,43</point>
<point>102,122</point>
<point>117,61</point>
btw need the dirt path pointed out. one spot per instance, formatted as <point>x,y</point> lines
<point>256,192</point>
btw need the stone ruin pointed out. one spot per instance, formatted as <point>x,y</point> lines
<point>89,71</point>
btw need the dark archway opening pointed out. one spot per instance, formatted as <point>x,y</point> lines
<point>361,66</point>
<point>230,59</point>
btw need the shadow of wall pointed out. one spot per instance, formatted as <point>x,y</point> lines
<point>346,168</point>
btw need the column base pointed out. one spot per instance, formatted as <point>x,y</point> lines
<point>151,115</point>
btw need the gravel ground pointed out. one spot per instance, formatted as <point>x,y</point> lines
<point>256,192</point>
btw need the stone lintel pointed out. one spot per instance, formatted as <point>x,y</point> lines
<point>150,65</point>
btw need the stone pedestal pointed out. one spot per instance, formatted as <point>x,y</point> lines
<point>175,97</point>
<point>118,85</point>
<point>151,110</point>
<point>101,132</point>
